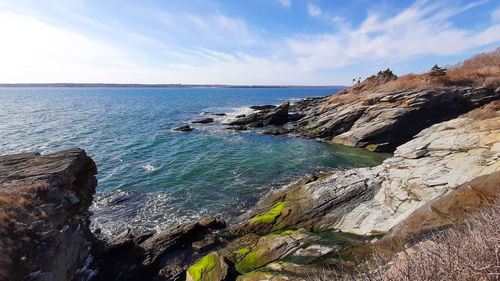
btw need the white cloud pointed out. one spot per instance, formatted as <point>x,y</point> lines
<point>285,3</point>
<point>31,49</point>
<point>313,11</point>
<point>495,15</point>
<point>419,30</point>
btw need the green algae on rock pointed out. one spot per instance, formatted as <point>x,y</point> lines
<point>210,268</point>
<point>272,215</point>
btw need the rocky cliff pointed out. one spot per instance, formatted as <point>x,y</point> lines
<point>381,121</point>
<point>43,215</point>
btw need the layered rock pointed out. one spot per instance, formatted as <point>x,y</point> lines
<point>382,121</point>
<point>439,178</point>
<point>44,199</point>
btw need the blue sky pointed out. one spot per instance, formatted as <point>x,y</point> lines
<point>263,42</point>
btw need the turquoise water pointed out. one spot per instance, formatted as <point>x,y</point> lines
<point>151,177</point>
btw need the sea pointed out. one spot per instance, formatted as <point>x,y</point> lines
<point>151,177</point>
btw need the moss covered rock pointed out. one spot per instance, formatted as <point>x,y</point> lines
<point>211,267</point>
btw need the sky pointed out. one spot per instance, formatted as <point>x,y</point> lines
<point>243,42</point>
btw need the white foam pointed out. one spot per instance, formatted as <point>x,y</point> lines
<point>148,167</point>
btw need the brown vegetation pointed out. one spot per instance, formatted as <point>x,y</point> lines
<point>490,110</point>
<point>482,70</point>
<point>470,251</point>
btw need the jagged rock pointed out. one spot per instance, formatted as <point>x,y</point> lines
<point>185,128</point>
<point>211,267</point>
<point>275,116</point>
<point>387,120</point>
<point>303,106</point>
<point>203,121</point>
<point>44,230</point>
<point>142,256</point>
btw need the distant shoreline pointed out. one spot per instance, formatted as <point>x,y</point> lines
<point>113,85</point>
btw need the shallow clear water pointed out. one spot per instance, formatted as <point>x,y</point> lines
<point>151,177</point>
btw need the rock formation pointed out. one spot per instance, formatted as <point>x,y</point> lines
<point>381,121</point>
<point>44,199</point>
<point>275,116</point>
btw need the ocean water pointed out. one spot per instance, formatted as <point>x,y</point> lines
<point>151,177</point>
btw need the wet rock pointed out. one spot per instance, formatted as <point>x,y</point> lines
<point>185,128</point>
<point>237,128</point>
<point>203,121</point>
<point>240,116</point>
<point>44,233</point>
<point>211,267</point>
<point>276,132</point>
<point>215,113</point>
<point>275,116</point>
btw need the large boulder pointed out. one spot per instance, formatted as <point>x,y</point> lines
<point>275,116</point>
<point>44,226</point>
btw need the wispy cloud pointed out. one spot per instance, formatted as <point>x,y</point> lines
<point>313,10</point>
<point>495,15</point>
<point>285,3</point>
<point>422,29</point>
<point>214,27</point>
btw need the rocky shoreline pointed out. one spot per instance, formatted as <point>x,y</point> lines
<point>446,164</point>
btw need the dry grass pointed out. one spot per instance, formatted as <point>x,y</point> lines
<point>482,70</point>
<point>467,252</point>
<point>488,111</point>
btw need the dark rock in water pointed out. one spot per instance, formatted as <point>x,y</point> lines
<point>263,107</point>
<point>185,128</point>
<point>215,113</point>
<point>241,115</point>
<point>203,121</point>
<point>277,132</point>
<point>237,128</point>
<point>275,116</point>
<point>45,234</point>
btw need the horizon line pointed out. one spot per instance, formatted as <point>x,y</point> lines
<point>140,85</point>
